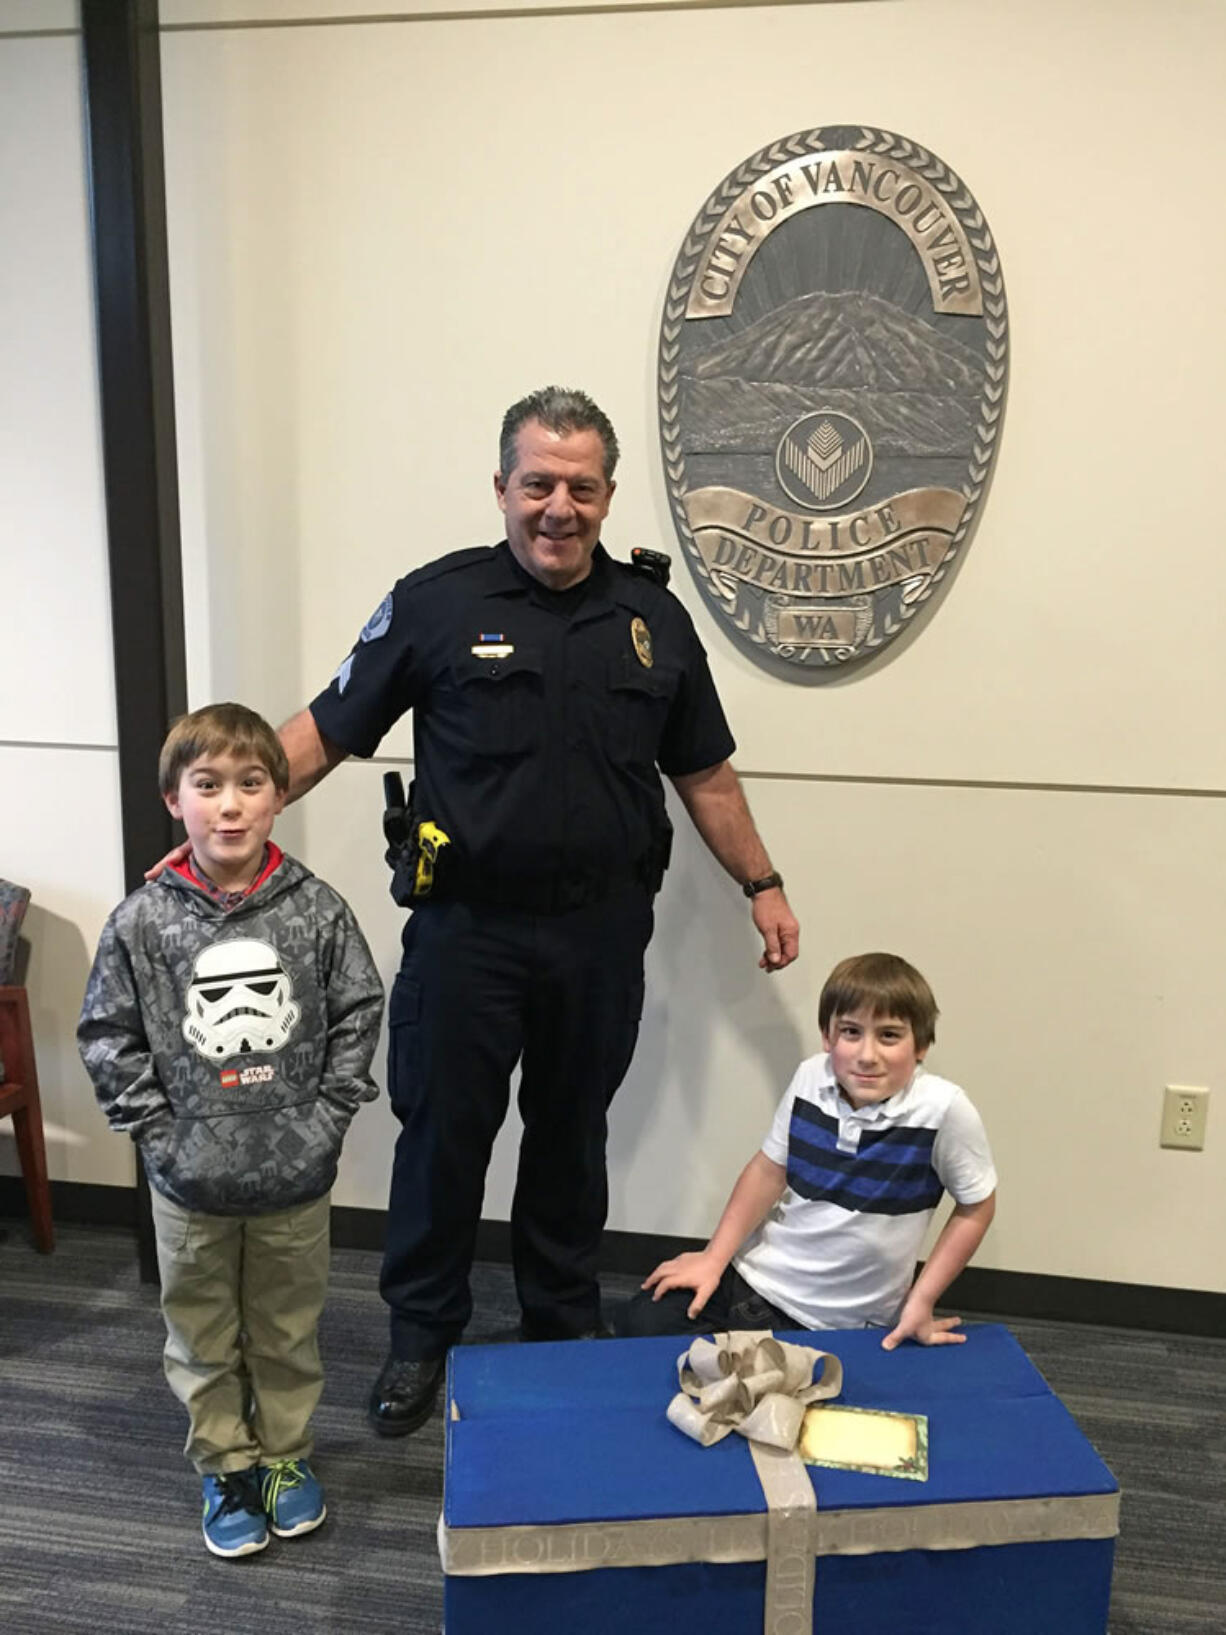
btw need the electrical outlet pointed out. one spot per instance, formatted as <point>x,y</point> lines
<point>1185,1111</point>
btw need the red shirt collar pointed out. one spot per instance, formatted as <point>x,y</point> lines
<point>273,856</point>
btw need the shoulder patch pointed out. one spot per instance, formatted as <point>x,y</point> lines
<point>379,623</point>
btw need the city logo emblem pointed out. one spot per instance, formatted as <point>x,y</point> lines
<point>833,366</point>
<point>824,460</point>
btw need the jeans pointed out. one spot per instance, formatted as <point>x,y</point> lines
<point>733,1305</point>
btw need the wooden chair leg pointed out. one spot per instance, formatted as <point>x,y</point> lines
<point>28,1114</point>
<point>32,1150</point>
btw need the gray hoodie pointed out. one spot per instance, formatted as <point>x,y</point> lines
<point>234,1047</point>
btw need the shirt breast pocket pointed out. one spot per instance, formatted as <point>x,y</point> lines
<point>498,703</point>
<point>640,700</point>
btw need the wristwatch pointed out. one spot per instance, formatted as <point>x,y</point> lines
<point>768,882</point>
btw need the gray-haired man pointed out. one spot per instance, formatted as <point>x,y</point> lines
<point>550,686</point>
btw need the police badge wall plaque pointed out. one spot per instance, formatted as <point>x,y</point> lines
<point>832,386</point>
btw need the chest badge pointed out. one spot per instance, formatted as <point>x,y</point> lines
<point>641,637</point>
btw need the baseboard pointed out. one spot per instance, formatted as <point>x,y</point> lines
<point>981,1290</point>
<point>73,1203</point>
<point>988,1292</point>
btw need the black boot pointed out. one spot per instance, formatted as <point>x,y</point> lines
<point>403,1396</point>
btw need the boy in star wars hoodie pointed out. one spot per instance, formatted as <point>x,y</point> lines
<point>228,1027</point>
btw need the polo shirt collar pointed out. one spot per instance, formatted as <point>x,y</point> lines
<point>880,1112</point>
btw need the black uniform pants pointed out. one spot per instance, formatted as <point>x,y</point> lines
<point>478,991</point>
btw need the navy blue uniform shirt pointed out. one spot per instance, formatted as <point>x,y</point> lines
<point>539,718</point>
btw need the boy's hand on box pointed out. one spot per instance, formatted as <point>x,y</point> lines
<point>960,1237</point>
<point>696,1270</point>
<point>920,1325</point>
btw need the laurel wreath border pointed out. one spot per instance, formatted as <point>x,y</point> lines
<point>885,144</point>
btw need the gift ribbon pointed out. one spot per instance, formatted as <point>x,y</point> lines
<point>749,1382</point>
<point>573,1547</point>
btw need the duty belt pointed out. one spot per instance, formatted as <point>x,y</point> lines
<point>555,895</point>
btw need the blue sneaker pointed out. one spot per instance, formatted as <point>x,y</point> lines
<point>293,1499</point>
<point>234,1521</point>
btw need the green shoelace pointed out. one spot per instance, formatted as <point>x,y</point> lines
<point>278,1477</point>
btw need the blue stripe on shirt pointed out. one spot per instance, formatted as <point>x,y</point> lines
<point>891,1173</point>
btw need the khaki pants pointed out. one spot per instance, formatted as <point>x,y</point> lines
<point>242,1295</point>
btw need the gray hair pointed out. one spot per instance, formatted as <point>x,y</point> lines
<point>561,411</point>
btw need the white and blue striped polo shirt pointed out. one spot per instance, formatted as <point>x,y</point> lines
<point>839,1248</point>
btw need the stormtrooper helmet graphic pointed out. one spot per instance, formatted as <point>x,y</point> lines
<point>240,999</point>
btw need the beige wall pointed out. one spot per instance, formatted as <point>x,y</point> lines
<point>381,232</point>
<point>377,243</point>
<point>59,784</point>
<point>371,217</point>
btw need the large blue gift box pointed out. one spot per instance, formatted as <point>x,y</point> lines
<point>572,1506</point>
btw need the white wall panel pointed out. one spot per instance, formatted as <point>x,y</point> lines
<point>42,16</point>
<point>56,601</point>
<point>59,813</point>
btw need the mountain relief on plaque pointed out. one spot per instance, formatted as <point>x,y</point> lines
<point>833,363</point>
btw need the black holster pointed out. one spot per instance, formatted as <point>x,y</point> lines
<point>400,832</point>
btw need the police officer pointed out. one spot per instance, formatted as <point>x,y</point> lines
<point>549,686</point>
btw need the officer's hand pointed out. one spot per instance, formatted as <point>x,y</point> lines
<point>175,856</point>
<point>779,929</point>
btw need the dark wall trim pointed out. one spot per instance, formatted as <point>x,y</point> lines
<point>980,1291</point>
<point>127,191</point>
<point>73,1203</point>
<point>984,1290</point>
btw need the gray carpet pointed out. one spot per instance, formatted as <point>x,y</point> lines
<point>99,1515</point>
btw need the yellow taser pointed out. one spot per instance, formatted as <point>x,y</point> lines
<point>431,840</point>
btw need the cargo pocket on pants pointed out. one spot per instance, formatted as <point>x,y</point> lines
<point>404,1044</point>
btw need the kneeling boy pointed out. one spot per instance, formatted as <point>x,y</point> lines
<point>228,1026</point>
<point>825,1223</point>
